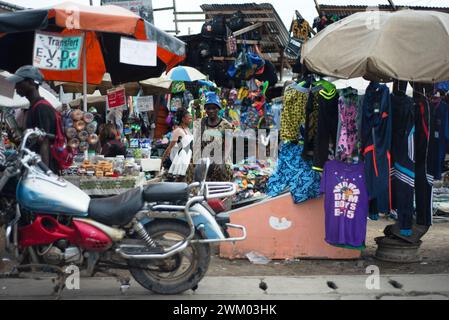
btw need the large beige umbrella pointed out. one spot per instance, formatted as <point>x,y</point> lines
<point>406,45</point>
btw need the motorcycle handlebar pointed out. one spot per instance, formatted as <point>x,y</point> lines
<point>44,167</point>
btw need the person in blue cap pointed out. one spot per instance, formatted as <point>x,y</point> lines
<point>213,131</point>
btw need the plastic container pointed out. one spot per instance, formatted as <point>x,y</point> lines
<point>88,117</point>
<point>80,125</point>
<point>83,135</point>
<point>91,127</point>
<point>71,133</point>
<point>83,146</point>
<point>77,114</point>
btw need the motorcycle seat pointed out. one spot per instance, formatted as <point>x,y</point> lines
<point>171,192</point>
<point>117,210</point>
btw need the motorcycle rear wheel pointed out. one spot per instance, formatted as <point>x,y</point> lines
<point>161,276</point>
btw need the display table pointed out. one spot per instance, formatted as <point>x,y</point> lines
<point>105,186</point>
<point>279,229</point>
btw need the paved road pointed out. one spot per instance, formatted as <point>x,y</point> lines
<point>242,288</point>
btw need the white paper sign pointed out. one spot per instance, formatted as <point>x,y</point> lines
<point>145,103</point>
<point>138,52</point>
<point>55,52</point>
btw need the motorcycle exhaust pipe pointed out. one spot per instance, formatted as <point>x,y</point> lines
<point>169,252</point>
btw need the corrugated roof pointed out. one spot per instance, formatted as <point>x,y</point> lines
<point>5,6</point>
<point>263,10</point>
<point>350,9</point>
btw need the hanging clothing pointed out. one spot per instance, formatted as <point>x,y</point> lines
<point>311,124</point>
<point>349,125</point>
<point>441,114</point>
<point>325,138</point>
<point>403,159</point>
<point>293,116</point>
<point>424,151</point>
<point>346,204</point>
<point>295,173</point>
<point>376,143</point>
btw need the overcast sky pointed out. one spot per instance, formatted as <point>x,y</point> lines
<point>285,8</point>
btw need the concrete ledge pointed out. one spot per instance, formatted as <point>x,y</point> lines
<point>279,229</point>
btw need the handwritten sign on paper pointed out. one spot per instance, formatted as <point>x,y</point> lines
<point>145,103</point>
<point>138,52</point>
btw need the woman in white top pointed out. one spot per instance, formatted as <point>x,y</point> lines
<point>180,148</point>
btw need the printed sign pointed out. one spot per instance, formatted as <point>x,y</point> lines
<point>145,103</point>
<point>138,52</point>
<point>53,51</point>
<point>116,98</point>
<point>143,8</point>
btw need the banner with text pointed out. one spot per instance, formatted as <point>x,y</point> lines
<point>53,51</point>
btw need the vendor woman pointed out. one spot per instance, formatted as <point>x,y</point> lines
<point>213,131</point>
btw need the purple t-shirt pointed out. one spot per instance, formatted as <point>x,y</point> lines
<point>345,203</point>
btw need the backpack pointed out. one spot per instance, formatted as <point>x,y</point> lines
<point>207,30</point>
<point>59,149</point>
<point>216,28</point>
<point>219,26</point>
<point>237,21</point>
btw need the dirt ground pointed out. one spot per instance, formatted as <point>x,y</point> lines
<point>434,252</point>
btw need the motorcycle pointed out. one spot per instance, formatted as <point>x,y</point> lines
<point>161,233</point>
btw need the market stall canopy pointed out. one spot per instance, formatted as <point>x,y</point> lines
<point>92,100</point>
<point>154,86</point>
<point>183,73</point>
<point>405,45</point>
<point>103,27</point>
<point>131,88</point>
<point>20,102</point>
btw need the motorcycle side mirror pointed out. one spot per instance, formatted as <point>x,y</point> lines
<point>201,169</point>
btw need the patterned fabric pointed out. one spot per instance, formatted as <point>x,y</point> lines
<point>349,120</point>
<point>293,116</point>
<point>295,173</point>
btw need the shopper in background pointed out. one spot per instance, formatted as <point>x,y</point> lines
<point>180,148</point>
<point>111,146</point>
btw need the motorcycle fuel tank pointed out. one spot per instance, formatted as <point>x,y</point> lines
<point>52,195</point>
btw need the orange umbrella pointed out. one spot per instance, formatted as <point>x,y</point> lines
<point>102,26</point>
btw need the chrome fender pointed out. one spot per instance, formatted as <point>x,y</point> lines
<point>203,220</point>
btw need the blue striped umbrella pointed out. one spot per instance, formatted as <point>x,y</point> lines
<point>187,74</point>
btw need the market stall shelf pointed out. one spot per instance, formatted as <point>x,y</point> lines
<point>279,229</point>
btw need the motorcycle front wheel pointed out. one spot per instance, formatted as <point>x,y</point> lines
<point>176,274</point>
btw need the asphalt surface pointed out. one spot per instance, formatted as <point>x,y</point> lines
<point>396,287</point>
